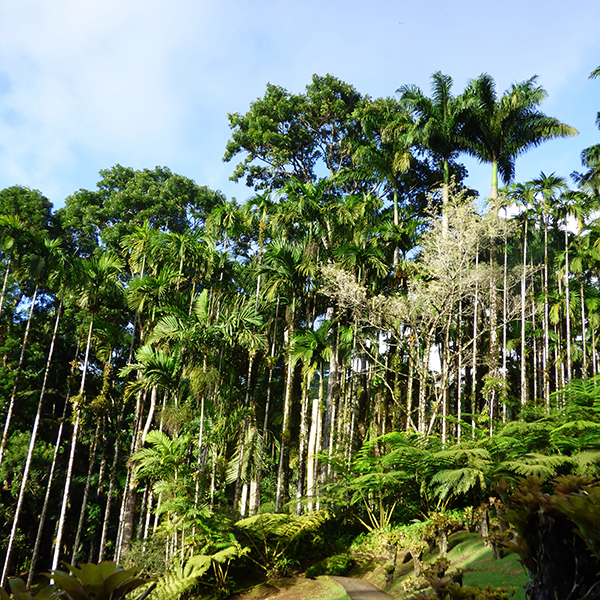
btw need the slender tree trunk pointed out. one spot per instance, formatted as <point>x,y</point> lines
<point>111,487</point>
<point>474,358</point>
<point>86,493</point>
<point>303,442</point>
<point>546,366</point>
<point>42,521</point>
<point>313,444</point>
<point>32,439</point>
<point>584,353</point>
<point>4,283</point>
<point>74,437</point>
<point>332,392</point>
<point>568,307</point>
<point>254,508</point>
<point>409,394</point>
<point>504,329</point>
<point>459,369</point>
<point>422,424</point>
<point>238,481</point>
<point>284,453</point>
<point>13,396</point>
<point>523,305</point>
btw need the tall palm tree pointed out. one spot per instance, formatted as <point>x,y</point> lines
<point>523,194</point>
<point>38,262</point>
<point>439,124</point>
<point>502,128</point>
<point>313,349</point>
<point>590,157</point>
<point>59,266</point>
<point>547,188</point>
<point>100,282</point>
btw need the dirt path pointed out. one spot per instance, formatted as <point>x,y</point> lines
<point>359,589</point>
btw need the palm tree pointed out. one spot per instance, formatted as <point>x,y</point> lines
<point>37,266</point>
<point>60,269</point>
<point>525,195</point>
<point>439,125</point>
<point>502,128</point>
<point>313,349</point>
<point>14,235</point>
<point>547,188</point>
<point>386,152</point>
<point>100,282</point>
<point>285,266</point>
<point>590,157</point>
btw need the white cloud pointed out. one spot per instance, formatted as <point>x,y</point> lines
<point>84,85</point>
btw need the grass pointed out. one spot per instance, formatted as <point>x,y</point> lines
<point>482,569</point>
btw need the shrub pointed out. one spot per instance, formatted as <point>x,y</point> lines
<point>338,564</point>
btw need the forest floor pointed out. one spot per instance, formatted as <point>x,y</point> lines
<point>466,550</point>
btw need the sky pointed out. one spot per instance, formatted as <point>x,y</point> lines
<point>146,83</point>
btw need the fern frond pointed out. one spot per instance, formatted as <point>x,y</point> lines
<point>454,482</point>
<point>174,585</point>
<point>539,465</point>
<point>587,463</point>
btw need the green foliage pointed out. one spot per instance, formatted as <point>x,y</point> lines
<point>448,586</point>
<point>104,581</point>
<point>184,579</point>
<point>271,535</point>
<point>19,591</point>
<point>339,564</point>
<point>558,533</point>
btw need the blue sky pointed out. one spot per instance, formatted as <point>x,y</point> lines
<point>86,85</point>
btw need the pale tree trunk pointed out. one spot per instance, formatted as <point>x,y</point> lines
<point>302,449</point>
<point>86,493</point>
<point>537,358</point>
<point>474,359</point>
<point>584,356</point>
<point>11,404</point>
<point>568,308</point>
<point>111,487</point>
<point>523,305</point>
<point>445,381</point>
<point>127,512</point>
<point>314,443</point>
<point>504,328</point>
<point>284,452</point>
<point>409,393</point>
<point>200,444</point>
<point>42,521</point>
<point>493,350</point>
<point>4,283</point>
<point>238,481</point>
<point>74,437</point>
<point>422,422</point>
<point>594,353</point>
<point>254,507</point>
<point>332,392</point>
<point>32,439</point>
<point>459,369</point>
<point>546,365</point>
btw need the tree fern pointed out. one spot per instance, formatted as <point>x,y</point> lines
<point>454,482</point>
<point>184,579</point>
<point>576,436</point>
<point>587,463</point>
<point>270,535</point>
<point>540,465</point>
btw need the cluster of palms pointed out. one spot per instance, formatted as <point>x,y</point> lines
<point>170,354</point>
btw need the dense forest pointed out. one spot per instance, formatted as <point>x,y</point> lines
<point>359,336</point>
